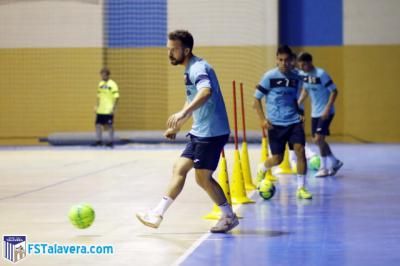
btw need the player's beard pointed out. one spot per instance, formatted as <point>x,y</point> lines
<point>176,61</point>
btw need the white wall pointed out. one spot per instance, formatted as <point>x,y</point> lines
<point>226,22</point>
<point>371,22</point>
<point>48,24</point>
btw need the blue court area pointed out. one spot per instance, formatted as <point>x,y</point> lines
<point>353,219</point>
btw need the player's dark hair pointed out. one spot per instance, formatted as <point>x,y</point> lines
<point>105,70</point>
<point>284,49</point>
<point>184,36</point>
<point>305,57</point>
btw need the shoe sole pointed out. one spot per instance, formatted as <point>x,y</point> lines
<point>236,223</point>
<point>155,226</point>
<point>321,175</point>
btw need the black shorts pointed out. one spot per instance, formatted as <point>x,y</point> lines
<point>280,135</point>
<point>290,146</point>
<point>205,152</point>
<point>104,119</point>
<point>320,126</point>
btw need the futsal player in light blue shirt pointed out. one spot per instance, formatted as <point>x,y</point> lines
<point>280,87</point>
<point>323,92</point>
<point>210,119</point>
<point>210,132</point>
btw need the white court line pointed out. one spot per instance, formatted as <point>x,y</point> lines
<point>202,239</point>
<point>191,249</point>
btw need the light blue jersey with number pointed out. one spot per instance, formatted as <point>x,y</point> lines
<point>319,86</point>
<point>281,92</point>
<point>210,119</point>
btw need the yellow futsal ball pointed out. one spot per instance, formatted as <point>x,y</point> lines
<point>81,216</point>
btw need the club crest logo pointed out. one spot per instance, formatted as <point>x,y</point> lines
<point>14,248</point>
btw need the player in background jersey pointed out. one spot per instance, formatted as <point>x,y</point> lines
<point>280,87</point>
<point>210,132</point>
<point>107,99</point>
<point>323,92</point>
<point>309,152</point>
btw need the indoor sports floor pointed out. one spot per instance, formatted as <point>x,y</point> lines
<point>353,219</point>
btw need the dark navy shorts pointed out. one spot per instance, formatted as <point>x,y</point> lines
<point>205,152</point>
<point>280,135</point>
<point>104,119</point>
<point>320,126</point>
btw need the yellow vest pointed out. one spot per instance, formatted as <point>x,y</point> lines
<point>107,93</point>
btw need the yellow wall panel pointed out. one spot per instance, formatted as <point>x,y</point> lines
<point>47,90</point>
<point>372,92</point>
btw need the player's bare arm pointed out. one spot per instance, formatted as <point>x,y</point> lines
<point>257,105</point>
<point>170,133</point>
<point>201,97</point>
<point>331,101</point>
<point>115,105</point>
<point>303,96</point>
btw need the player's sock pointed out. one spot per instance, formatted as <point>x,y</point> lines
<point>301,181</point>
<point>163,205</point>
<point>261,170</point>
<point>226,209</point>
<point>292,158</point>
<point>332,159</point>
<point>309,152</point>
<point>323,162</point>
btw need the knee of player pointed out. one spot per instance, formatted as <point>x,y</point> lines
<point>201,181</point>
<point>299,150</point>
<point>203,178</point>
<point>277,159</point>
<point>319,139</point>
<point>179,170</point>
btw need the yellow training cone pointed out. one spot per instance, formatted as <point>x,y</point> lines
<point>244,160</point>
<point>264,150</point>
<point>264,157</point>
<point>284,167</point>
<point>223,181</point>
<point>237,187</point>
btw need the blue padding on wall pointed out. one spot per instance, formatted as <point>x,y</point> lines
<point>311,22</point>
<point>135,23</point>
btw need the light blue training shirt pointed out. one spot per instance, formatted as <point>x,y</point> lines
<point>281,92</point>
<point>319,86</point>
<point>211,119</point>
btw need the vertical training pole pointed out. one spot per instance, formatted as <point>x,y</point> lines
<point>238,190</point>
<point>235,114</point>
<point>243,114</point>
<point>244,156</point>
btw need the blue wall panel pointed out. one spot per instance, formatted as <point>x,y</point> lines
<point>135,23</point>
<point>311,22</point>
